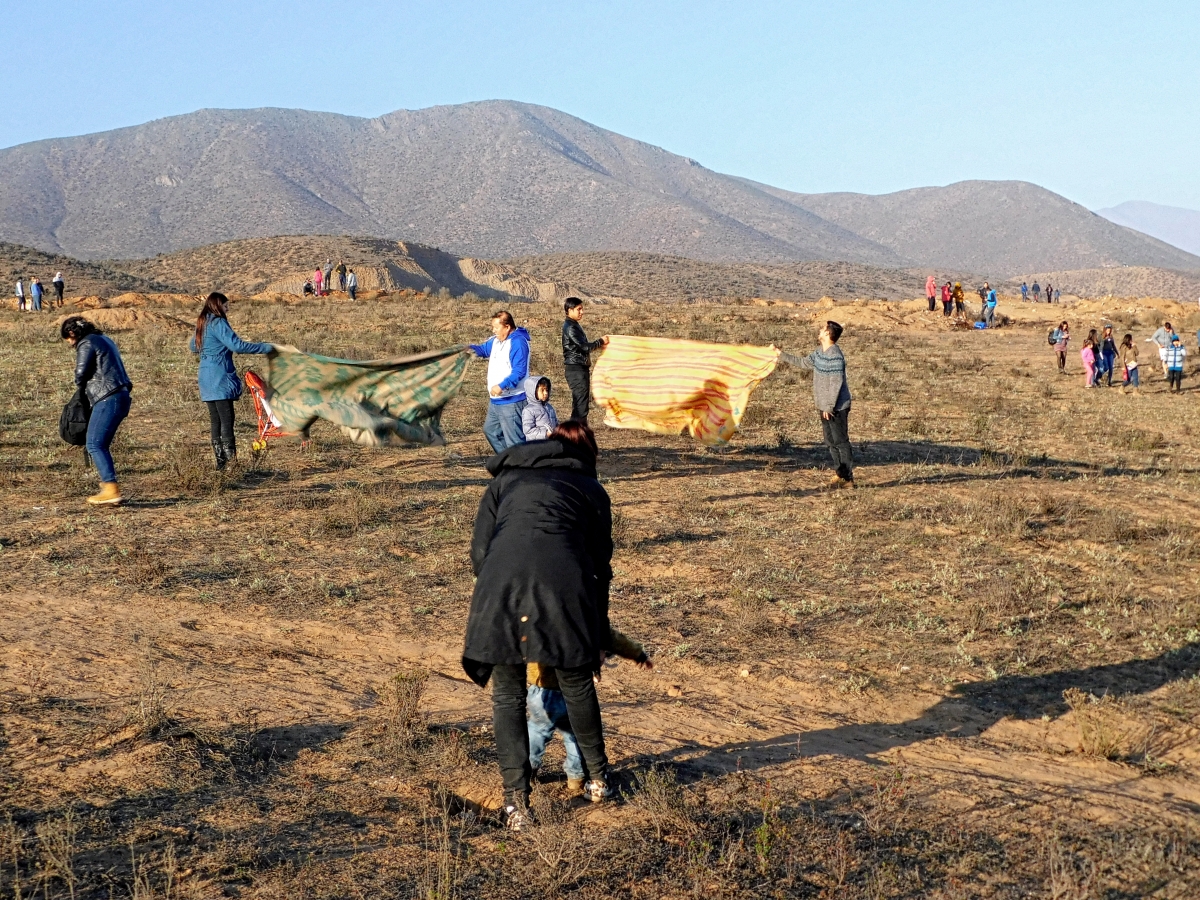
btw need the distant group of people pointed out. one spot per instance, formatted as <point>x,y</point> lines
<point>33,302</point>
<point>1101,352</point>
<point>954,300</point>
<point>321,283</point>
<point>1052,293</point>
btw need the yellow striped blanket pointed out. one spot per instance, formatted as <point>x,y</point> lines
<point>670,386</point>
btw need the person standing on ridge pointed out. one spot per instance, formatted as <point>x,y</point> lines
<point>351,281</point>
<point>931,292</point>
<point>20,295</point>
<point>577,358</point>
<point>1049,294</point>
<point>960,306</point>
<point>318,282</point>
<point>35,294</point>
<point>507,353</point>
<point>341,274</point>
<point>328,276</point>
<point>989,306</point>
<point>1024,292</point>
<point>59,287</point>
<point>947,303</point>
<point>1037,292</point>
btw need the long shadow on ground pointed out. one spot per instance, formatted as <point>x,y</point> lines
<point>967,712</point>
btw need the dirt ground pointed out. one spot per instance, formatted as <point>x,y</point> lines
<point>976,675</point>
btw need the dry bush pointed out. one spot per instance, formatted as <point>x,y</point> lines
<point>658,794</point>
<point>1103,731</point>
<point>404,725</point>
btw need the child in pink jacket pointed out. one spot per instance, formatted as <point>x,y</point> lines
<point>1088,354</point>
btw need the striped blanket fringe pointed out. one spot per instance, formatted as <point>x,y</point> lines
<point>669,386</point>
<point>375,402</point>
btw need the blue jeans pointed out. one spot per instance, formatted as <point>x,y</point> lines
<point>1131,377</point>
<point>502,427</point>
<point>102,428</point>
<point>548,714</point>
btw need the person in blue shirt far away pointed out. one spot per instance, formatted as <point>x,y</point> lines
<point>507,353</point>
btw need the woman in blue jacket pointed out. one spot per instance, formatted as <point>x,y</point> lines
<point>216,343</point>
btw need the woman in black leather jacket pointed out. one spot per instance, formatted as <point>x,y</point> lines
<point>100,372</point>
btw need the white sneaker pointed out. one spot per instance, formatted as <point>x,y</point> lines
<point>597,791</point>
<point>517,817</point>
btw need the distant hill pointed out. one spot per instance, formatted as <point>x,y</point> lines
<point>658,278</point>
<point>1177,226</point>
<point>1008,228</point>
<point>80,278</point>
<point>501,179</point>
<point>486,179</point>
<point>282,264</point>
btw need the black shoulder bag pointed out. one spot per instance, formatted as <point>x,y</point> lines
<point>73,423</point>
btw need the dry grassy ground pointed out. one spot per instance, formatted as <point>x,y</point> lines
<point>974,676</point>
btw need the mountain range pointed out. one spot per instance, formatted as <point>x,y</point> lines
<point>1173,224</point>
<point>502,179</point>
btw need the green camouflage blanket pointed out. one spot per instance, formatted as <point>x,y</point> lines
<point>373,402</point>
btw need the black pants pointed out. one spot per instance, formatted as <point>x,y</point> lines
<point>579,379</point>
<point>946,304</point>
<point>932,303</point>
<point>1175,379</point>
<point>220,418</point>
<point>58,292</point>
<point>512,731</point>
<point>837,439</point>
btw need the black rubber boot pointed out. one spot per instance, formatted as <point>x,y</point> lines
<point>231,452</point>
<point>219,453</point>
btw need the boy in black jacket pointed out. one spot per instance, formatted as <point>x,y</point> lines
<point>577,358</point>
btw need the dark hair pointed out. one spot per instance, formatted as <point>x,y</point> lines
<point>1167,325</point>
<point>537,387</point>
<point>77,327</point>
<point>570,303</point>
<point>834,329</point>
<point>1127,341</point>
<point>505,318</point>
<point>1092,335</point>
<point>214,305</point>
<point>1064,324</point>
<point>578,433</point>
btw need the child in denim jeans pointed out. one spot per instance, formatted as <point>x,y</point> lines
<point>548,711</point>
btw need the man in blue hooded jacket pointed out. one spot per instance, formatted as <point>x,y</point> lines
<point>507,353</point>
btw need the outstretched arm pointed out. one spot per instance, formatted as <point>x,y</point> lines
<point>224,333</point>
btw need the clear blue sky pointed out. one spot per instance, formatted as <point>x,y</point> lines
<point>1099,101</point>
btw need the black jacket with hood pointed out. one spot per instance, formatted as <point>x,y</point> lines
<point>542,555</point>
<point>577,349</point>
<point>98,367</point>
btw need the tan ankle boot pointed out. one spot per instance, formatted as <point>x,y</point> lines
<point>110,495</point>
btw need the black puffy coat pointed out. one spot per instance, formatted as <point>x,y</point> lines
<point>577,349</point>
<point>98,367</point>
<point>542,554</point>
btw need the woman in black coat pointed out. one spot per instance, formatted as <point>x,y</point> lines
<point>542,553</point>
